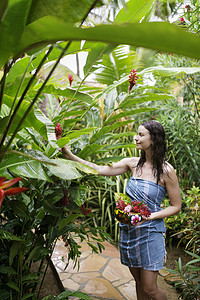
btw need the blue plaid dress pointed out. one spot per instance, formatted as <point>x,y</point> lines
<point>143,246</point>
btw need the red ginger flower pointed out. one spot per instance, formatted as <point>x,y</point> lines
<point>58,131</point>
<point>70,77</point>
<point>12,191</point>
<point>85,211</point>
<point>65,200</point>
<point>132,79</point>
<point>187,7</point>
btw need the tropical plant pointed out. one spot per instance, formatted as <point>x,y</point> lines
<point>187,278</point>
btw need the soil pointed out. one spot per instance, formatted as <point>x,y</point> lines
<point>53,286</point>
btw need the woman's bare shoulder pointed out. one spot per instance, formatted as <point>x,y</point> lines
<point>169,171</point>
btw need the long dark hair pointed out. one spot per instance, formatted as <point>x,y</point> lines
<point>157,134</point>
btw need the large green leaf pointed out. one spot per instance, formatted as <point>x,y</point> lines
<point>3,7</point>
<point>134,11</point>
<point>68,93</point>
<point>66,169</point>
<point>12,26</point>
<point>22,166</point>
<point>30,121</point>
<point>19,208</point>
<point>6,235</point>
<point>166,72</point>
<point>70,11</point>
<point>107,129</point>
<point>77,133</point>
<point>129,113</point>
<point>97,51</point>
<point>132,99</point>
<point>155,35</point>
<point>49,126</point>
<point>89,150</point>
<point>67,220</point>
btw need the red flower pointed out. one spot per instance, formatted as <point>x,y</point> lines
<point>132,79</point>
<point>187,7</point>
<point>65,200</point>
<point>153,118</point>
<point>182,19</point>
<point>12,191</point>
<point>120,204</point>
<point>70,77</point>
<point>85,211</point>
<point>58,131</point>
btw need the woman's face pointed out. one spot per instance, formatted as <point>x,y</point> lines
<point>143,138</point>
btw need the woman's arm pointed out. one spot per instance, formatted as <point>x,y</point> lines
<point>173,190</point>
<point>115,169</point>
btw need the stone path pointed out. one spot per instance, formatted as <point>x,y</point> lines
<point>101,276</point>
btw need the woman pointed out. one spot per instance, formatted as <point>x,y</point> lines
<point>142,246</point>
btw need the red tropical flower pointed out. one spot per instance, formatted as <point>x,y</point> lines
<point>70,77</point>
<point>187,7</point>
<point>65,200</point>
<point>132,79</point>
<point>12,191</point>
<point>58,131</point>
<point>85,211</point>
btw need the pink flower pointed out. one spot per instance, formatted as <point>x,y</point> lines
<point>135,219</point>
<point>58,131</point>
<point>70,77</point>
<point>128,208</point>
<point>132,79</point>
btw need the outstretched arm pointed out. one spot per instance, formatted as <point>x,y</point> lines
<point>113,170</point>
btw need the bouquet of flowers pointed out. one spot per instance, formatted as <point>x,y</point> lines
<point>128,211</point>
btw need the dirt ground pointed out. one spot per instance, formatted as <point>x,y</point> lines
<point>52,286</point>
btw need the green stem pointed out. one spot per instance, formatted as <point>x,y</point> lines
<point>35,98</point>
<point>11,109</point>
<point>20,101</point>
<point>3,81</point>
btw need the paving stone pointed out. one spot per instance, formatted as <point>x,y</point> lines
<point>64,276</point>
<point>85,247</point>
<point>70,285</point>
<point>61,265</point>
<point>83,277</point>
<point>116,271</point>
<point>110,250</point>
<point>60,251</point>
<point>102,287</point>
<point>92,263</point>
<point>84,255</point>
<point>120,282</point>
<point>128,290</point>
